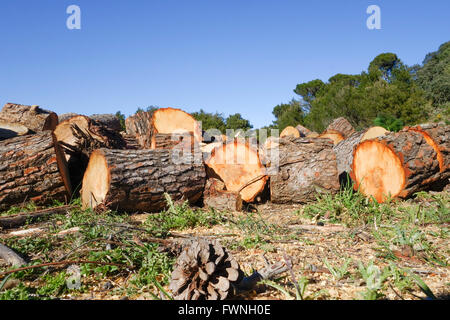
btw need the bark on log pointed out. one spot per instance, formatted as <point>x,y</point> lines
<point>215,196</point>
<point>33,168</point>
<point>343,126</point>
<point>170,140</point>
<point>130,141</point>
<point>145,125</point>
<point>307,167</point>
<point>398,164</point>
<point>239,166</point>
<point>79,136</point>
<point>304,132</point>
<point>10,130</point>
<point>136,180</point>
<point>109,121</point>
<point>290,131</point>
<point>438,137</point>
<point>32,117</point>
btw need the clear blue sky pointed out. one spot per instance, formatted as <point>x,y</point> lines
<point>229,56</point>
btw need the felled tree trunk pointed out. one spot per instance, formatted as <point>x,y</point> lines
<point>343,126</point>
<point>307,167</point>
<point>10,130</point>
<point>344,149</point>
<point>239,166</point>
<point>32,117</point>
<point>215,196</point>
<point>170,140</point>
<point>438,137</point>
<point>32,168</point>
<point>109,121</point>
<point>146,125</point>
<point>398,164</point>
<point>79,136</point>
<point>136,180</point>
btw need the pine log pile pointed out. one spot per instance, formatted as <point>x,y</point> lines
<point>306,168</point>
<point>33,168</point>
<point>146,125</point>
<point>109,121</point>
<point>333,135</point>
<point>396,165</point>
<point>304,132</point>
<point>239,166</point>
<point>136,180</point>
<point>32,117</point>
<point>217,197</point>
<point>11,130</point>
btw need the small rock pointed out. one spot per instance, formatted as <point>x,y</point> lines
<point>107,285</point>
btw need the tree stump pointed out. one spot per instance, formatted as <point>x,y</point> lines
<point>238,165</point>
<point>33,168</point>
<point>136,180</point>
<point>307,167</point>
<point>343,126</point>
<point>398,164</point>
<point>32,117</point>
<point>215,196</point>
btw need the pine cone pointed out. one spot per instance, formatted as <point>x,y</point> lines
<point>205,271</point>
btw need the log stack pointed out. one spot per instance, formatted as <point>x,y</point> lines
<point>32,117</point>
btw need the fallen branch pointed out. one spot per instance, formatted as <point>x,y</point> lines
<point>63,263</point>
<point>20,219</point>
<point>11,257</point>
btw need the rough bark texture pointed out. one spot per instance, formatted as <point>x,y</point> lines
<point>307,167</point>
<point>32,117</point>
<point>11,257</point>
<point>398,164</point>
<point>344,152</point>
<point>205,271</point>
<point>342,125</point>
<point>140,126</point>
<point>239,166</point>
<point>32,168</point>
<point>303,131</point>
<point>170,140</point>
<point>10,130</point>
<point>215,196</point>
<point>136,180</point>
<point>437,136</point>
<point>79,136</point>
<point>130,141</point>
<point>109,121</point>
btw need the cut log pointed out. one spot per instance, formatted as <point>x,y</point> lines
<point>215,196</point>
<point>67,116</point>
<point>33,168</point>
<point>78,137</point>
<point>109,121</point>
<point>130,141</point>
<point>145,125</point>
<point>170,140</point>
<point>374,132</point>
<point>313,135</point>
<point>11,257</point>
<point>290,131</point>
<point>17,220</point>
<point>343,126</point>
<point>307,167</point>
<point>32,117</point>
<point>344,149</point>
<point>334,135</point>
<point>304,132</point>
<point>10,130</point>
<point>398,164</point>
<point>136,180</point>
<point>238,165</point>
<point>438,137</point>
